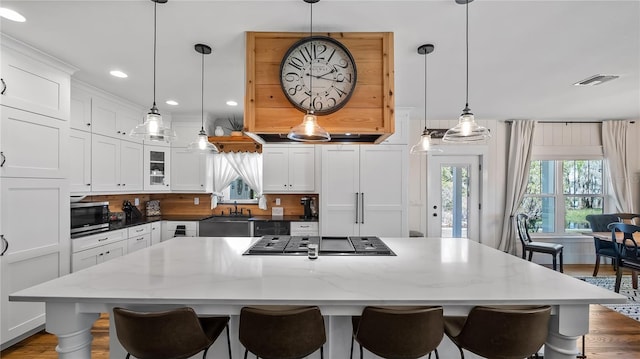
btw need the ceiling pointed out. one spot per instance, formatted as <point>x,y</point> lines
<point>524,56</point>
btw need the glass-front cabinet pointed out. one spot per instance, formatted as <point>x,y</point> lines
<point>157,168</point>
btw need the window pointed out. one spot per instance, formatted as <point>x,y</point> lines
<point>239,192</point>
<point>560,194</point>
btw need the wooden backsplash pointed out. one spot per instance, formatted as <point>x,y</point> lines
<point>183,203</point>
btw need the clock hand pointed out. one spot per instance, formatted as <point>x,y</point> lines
<point>323,75</point>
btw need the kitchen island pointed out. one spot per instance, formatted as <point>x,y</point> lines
<point>212,276</point>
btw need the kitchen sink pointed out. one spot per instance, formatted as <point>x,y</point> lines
<point>226,226</point>
<point>237,218</point>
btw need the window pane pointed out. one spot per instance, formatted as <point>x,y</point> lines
<point>541,177</point>
<point>541,212</point>
<point>582,177</point>
<point>239,190</point>
<point>577,208</point>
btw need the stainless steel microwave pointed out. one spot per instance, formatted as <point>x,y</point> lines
<point>89,217</point>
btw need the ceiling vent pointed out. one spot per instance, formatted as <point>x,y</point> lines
<point>596,80</point>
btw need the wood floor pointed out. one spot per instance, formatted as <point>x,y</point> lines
<point>611,335</point>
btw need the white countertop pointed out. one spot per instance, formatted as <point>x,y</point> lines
<point>447,271</point>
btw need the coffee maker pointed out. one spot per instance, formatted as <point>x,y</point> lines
<point>308,203</point>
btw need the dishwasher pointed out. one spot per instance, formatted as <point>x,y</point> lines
<point>224,226</point>
<point>271,228</point>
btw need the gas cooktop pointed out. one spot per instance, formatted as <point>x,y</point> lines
<point>340,246</point>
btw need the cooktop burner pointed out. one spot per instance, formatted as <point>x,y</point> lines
<point>297,245</point>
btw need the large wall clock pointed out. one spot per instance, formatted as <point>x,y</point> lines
<point>318,73</point>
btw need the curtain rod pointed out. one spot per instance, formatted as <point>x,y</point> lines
<point>568,122</point>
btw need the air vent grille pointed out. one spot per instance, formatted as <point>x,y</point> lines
<point>596,80</point>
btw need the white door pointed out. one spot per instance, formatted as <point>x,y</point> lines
<point>275,169</point>
<point>131,157</point>
<point>340,196</point>
<point>105,163</point>
<point>453,190</point>
<point>80,163</point>
<point>302,168</point>
<point>188,170</point>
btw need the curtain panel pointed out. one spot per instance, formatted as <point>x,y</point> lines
<point>223,175</point>
<point>614,145</point>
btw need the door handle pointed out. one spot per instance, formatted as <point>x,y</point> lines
<point>4,159</point>
<point>4,86</point>
<point>5,243</point>
<point>357,208</point>
<point>362,200</point>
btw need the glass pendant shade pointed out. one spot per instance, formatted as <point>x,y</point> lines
<point>424,144</point>
<point>153,128</point>
<point>202,144</point>
<point>467,130</point>
<point>309,130</point>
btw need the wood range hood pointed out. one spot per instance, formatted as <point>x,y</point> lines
<point>368,117</point>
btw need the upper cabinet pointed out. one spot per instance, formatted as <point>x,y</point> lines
<point>157,168</point>
<point>116,165</point>
<point>80,161</point>
<point>110,119</point>
<point>288,168</point>
<point>80,110</point>
<point>37,84</point>
<point>190,172</point>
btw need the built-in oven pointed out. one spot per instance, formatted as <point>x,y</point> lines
<point>89,217</point>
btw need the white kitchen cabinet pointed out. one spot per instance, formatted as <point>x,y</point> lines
<point>97,255</point>
<point>111,119</point>
<point>364,190</point>
<point>169,229</point>
<point>37,251</point>
<point>33,145</point>
<point>80,161</point>
<point>156,232</point>
<point>304,229</point>
<point>80,109</point>
<point>116,165</point>
<point>288,168</point>
<point>190,172</point>
<point>139,237</point>
<point>157,168</point>
<point>34,82</point>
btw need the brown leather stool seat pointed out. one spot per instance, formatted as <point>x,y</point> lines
<point>509,332</point>
<point>282,332</point>
<point>398,332</point>
<point>171,334</point>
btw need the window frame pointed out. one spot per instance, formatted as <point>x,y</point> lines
<point>559,195</point>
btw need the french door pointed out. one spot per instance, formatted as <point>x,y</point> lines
<point>453,196</point>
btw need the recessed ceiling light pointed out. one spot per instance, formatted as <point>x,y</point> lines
<point>118,73</point>
<point>172,102</point>
<point>11,15</point>
<point>232,103</point>
<point>595,80</point>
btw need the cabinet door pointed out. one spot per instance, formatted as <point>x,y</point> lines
<point>80,110</point>
<point>125,122</point>
<point>302,168</point>
<point>114,250</point>
<point>275,169</point>
<point>157,168</point>
<point>34,86</point>
<point>187,170</point>
<point>156,232</point>
<point>103,117</point>
<point>340,190</point>
<point>105,163</point>
<point>80,161</point>
<point>33,145</point>
<point>90,257</point>
<point>383,191</point>
<point>138,242</point>
<point>36,253</point>
<point>131,159</point>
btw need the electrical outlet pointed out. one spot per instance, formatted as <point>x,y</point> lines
<point>196,200</point>
<point>136,202</point>
<point>277,201</point>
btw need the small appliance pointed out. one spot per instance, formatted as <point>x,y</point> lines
<point>89,217</point>
<point>306,202</point>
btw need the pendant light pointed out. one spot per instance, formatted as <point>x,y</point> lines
<point>424,143</point>
<point>309,130</point>
<point>467,129</point>
<point>153,128</point>
<point>202,144</point>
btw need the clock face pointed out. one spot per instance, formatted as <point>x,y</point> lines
<point>318,73</point>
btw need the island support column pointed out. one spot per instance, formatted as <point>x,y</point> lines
<point>565,328</point>
<point>72,328</point>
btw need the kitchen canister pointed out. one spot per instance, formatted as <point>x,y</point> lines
<point>218,131</point>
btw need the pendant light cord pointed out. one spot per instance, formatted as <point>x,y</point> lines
<point>155,16</point>
<point>310,62</point>
<point>202,96</point>
<point>467,44</point>
<point>425,92</point>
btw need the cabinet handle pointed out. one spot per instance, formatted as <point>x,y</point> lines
<point>118,132</point>
<point>102,239</point>
<point>108,252</point>
<point>139,239</point>
<point>5,243</point>
<point>124,184</point>
<point>4,86</point>
<point>118,184</point>
<point>4,159</point>
<point>140,230</point>
<point>88,124</point>
<point>88,184</point>
<point>101,254</point>
<point>362,199</point>
<point>357,208</point>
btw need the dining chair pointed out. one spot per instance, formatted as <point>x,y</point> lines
<point>509,332</point>
<point>630,218</point>
<point>628,255</point>
<point>529,246</point>
<point>172,334</point>
<point>282,332</point>
<point>398,332</point>
<point>600,223</point>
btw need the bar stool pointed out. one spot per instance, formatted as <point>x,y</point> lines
<point>509,332</point>
<point>172,334</point>
<point>398,332</point>
<point>282,332</point>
